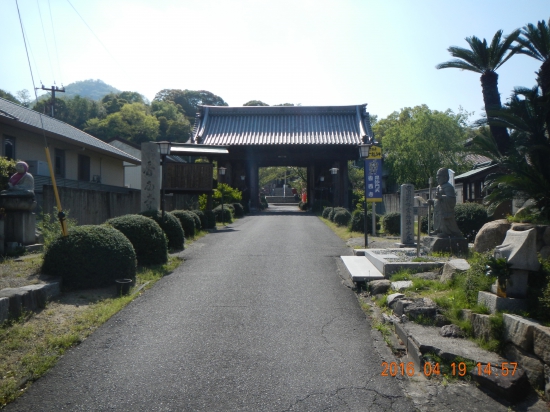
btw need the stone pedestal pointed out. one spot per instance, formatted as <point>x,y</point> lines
<point>446,244</point>
<point>495,303</point>
<point>20,227</point>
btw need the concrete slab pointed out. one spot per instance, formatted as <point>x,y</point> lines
<point>382,260</point>
<point>360,269</point>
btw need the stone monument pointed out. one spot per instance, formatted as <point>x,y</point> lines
<point>446,236</point>
<point>150,176</point>
<point>407,215</point>
<point>17,203</point>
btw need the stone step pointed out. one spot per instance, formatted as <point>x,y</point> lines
<point>360,269</point>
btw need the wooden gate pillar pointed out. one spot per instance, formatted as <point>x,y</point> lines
<point>253,176</point>
<point>311,185</point>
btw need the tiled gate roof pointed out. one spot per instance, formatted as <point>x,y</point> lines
<point>282,125</point>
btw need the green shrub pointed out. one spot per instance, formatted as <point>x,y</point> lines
<point>202,217</point>
<point>171,227</point>
<point>357,223</point>
<point>392,223</point>
<point>303,205</point>
<point>326,212</point>
<point>90,257</point>
<point>342,217</point>
<point>187,222</point>
<point>7,168</point>
<point>239,210</point>
<point>227,214</point>
<point>50,228</point>
<point>210,219</point>
<point>320,205</point>
<point>470,218</point>
<point>333,211</point>
<point>197,219</point>
<point>146,236</point>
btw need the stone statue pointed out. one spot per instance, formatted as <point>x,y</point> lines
<point>444,207</point>
<point>20,183</point>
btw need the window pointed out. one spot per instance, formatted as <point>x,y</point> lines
<point>9,147</point>
<point>83,168</point>
<point>59,163</point>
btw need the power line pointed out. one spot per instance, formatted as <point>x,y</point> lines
<point>100,42</point>
<point>55,44</point>
<point>45,39</point>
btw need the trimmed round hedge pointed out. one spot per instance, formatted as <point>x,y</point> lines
<point>90,257</point>
<point>239,210</point>
<point>342,217</point>
<point>170,225</point>
<point>333,212</point>
<point>146,236</point>
<point>202,217</point>
<point>357,223</point>
<point>326,212</point>
<point>227,213</point>
<point>210,219</point>
<point>187,222</point>
<point>303,205</point>
<point>197,220</point>
<point>392,223</point>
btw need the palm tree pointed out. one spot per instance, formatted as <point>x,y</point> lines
<point>525,171</point>
<point>536,44</point>
<point>485,59</point>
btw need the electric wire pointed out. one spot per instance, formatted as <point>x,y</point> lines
<point>55,44</point>
<point>45,39</point>
<point>100,42</point>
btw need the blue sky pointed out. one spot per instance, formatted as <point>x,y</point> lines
<point>313,52</point>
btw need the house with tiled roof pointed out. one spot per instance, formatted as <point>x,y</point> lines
<point>79,160</point>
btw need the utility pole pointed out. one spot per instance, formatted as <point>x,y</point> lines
<point>53,89</point>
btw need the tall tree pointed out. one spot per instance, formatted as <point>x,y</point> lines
<point>255,103</point>
<point>536,43</point>
<point>9,96</point>
<point>486,59</point>
<point>189,100</point>
<point>418,141</point>
<point>525,172</point>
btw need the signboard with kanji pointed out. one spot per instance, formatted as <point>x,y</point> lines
<point>373,179</point>
<point>375,152</point>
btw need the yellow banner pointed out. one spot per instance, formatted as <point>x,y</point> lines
<point>375,152</point>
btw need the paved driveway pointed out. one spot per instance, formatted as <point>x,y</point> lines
<point>257,319</point>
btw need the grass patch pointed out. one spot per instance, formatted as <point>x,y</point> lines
<point>30,346</point>
<point>342,232</point>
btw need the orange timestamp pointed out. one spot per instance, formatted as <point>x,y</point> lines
<point>459,369</point>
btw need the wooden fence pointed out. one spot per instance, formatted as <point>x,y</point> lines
<point>92,207</point>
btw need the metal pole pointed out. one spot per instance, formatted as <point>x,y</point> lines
<point>374,218</point>
<point>418,237</point>
<point>430,181</point>
<point>162,185</point>
<point>366,226</point>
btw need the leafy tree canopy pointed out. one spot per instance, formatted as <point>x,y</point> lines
<point>9,96</point>
<point>131,123</point>
<point>418,141</point>
<point>255,103</point>
<point>189,100</point>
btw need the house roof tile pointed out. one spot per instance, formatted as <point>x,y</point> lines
<point>26,117</point>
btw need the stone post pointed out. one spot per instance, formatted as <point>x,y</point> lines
<point>407,215</point>
<point>150,177</point>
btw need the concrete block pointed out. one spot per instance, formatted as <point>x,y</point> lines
<point>38,296</point>
<point>541,343</point>
<point>481,325</point>
<point>448,244</point>
<point>401,285</point>
<point>52,289</point>
<point>399,308</point>
<point>532,366</point>
<point>519,331</point>
<point>520,249</point>
<point>453,267</point>
<point>401,333</point>
<point>414,352</point>
<point>15,297</point>
<point>513,388</point>
<point>495,303</point>
<point>4,309</point>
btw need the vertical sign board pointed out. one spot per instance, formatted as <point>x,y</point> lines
<point>373,175</point>
<point>150,176</point>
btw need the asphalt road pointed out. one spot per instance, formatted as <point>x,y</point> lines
<point>256,319</point>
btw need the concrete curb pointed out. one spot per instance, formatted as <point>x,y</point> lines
<point>13,301</point>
